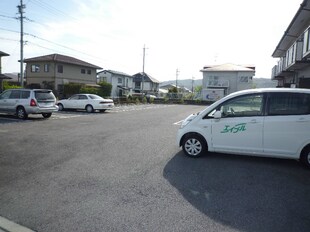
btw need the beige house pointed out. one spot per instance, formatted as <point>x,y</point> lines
<point>55,70</point>
<point>228,78</point>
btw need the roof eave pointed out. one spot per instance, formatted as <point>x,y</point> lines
<point>278,52</point>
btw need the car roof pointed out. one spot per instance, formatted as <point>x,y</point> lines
<point>270,90</point>
<point>259,90</point>
<point>31,89</point>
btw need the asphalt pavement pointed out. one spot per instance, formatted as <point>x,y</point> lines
<point>122,171</point>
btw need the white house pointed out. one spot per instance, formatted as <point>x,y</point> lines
<point>293,51</point>
<point>228,78</point>
<point>144,83</point>
<point>122,83</point>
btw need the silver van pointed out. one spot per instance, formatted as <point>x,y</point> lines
<point>22,102</point>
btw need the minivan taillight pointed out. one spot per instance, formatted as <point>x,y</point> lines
<point>33,102</point>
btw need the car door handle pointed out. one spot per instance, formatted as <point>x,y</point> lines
<point>302,120</point>
<point>253,121</point>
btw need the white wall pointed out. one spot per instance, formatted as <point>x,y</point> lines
<point>233,77</point>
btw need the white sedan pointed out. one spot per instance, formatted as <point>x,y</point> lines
<point>88,102</point>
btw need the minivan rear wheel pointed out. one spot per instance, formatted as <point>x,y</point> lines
<point>21,113</point>
<point>305,156</point>
<point>194,145</point>
<point>47,115</point>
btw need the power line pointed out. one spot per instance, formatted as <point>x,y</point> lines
<point>15,40</point>
<point>51,9</point>
<point>57,44</point>
<point>5,16</point>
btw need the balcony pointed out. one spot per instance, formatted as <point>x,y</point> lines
<point>217,84</point>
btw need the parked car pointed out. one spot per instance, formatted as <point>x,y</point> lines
<point>88,102</point>
<point>261,122</point>
<point>23,102</point>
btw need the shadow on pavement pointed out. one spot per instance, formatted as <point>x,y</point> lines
<point>244,193</point>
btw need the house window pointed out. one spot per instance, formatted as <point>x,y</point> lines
<point>306,41</point>
<point>138,85</point>
<point>60,68</point>
<point>245,79</point>
<point>83,71</point>
<point>120,80</point>
<point>213,81</point>
<point>35,68</point>
<point>46,67</point>
<point>88,71</point>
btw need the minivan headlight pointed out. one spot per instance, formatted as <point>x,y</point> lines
<point>188,120</point>
<point>184,123</point>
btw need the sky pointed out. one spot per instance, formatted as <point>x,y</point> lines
<point>176,34</point>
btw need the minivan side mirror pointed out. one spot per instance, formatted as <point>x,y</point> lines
<point>217,114</point>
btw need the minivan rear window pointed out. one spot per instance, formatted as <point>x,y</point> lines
<point>288,104</point>
<point>25,94</point>
<point>44,95</point>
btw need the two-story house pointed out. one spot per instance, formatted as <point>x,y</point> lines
<point>293,51</point>
<point>55,70</point>
<point>228,78</point>
<point>122,83</point>
<point>144,83</point>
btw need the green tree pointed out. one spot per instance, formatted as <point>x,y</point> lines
<point>198,89</point>
<point>173,90</point>
<point>105,89</point>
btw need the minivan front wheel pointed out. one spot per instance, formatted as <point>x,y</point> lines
<point>60,107</point>
<point>89,109</point>
<point>305,156</point>
<point>21,113</point>
<point>194,145</point>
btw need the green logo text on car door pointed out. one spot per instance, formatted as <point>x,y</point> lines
<point>234,129</point>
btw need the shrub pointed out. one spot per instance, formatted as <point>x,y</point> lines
<point>6,86</point>
<point>72,88</point>
<point>90,90</point>
<point>105,89</point>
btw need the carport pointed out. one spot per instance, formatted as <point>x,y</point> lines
<point>2,77</point>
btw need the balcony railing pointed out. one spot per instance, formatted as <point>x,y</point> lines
<point>218,83</point>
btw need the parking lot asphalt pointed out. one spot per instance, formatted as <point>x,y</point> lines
<point>122,171</point>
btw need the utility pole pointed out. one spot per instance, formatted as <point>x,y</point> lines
<point>193,84</point>
<point>21,7</point>
<point>142,82</point>
<point>176,79</point>
<point>193,78</point>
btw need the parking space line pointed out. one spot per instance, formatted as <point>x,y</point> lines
<point>7,225</point>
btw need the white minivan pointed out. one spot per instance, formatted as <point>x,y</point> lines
<point>273,122</point>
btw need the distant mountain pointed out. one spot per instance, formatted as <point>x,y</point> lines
<point>188,83</point>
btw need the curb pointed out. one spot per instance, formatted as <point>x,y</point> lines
<point>9,226</point>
